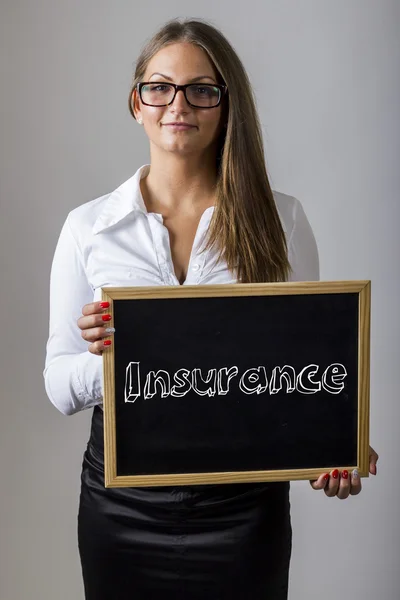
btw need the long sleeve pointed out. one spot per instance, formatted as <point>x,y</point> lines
<point>302,247</point>
<point>73,375</point>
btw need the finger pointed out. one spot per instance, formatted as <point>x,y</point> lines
<point>95,307</point>
<point>333,485</point>
<point>344,485</point>
<point>96,333</point>
<point>355,488</point>
<point>93,320</point>
<point>373,459</point>
<point>99,347</point>
<point>320,483</point>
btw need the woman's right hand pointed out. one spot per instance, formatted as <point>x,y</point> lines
<point>95,326</point>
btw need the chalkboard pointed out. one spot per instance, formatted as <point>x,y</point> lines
<point>235,383</point>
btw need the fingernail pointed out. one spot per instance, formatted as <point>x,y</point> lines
<point>355,473</point>
<point>104,304</point>
<point>107,343</point>
<point>335,474</point>
<point>345,474</point>
<point>326,477</point>
<point>109,330</point>
<point>106,317</point>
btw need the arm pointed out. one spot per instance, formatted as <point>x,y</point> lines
<point>73,376</point>
<point>303,256</point>
<point>302,248</point>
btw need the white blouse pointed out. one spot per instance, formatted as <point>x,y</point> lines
<point>114,241</point>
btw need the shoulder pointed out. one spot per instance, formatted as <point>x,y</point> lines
<point>99,214</point>
<point>80,221</point>
<point>83,217</point>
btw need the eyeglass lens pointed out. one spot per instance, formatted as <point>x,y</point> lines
<point>200,95</point>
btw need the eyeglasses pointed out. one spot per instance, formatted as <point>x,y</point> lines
<point>198,95</point>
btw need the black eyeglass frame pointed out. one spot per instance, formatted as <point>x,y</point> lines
<point>222,89</point>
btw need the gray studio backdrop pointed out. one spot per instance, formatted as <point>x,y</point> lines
<point>327,80</point>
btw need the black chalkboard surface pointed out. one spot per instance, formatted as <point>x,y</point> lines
<point>244,382</point>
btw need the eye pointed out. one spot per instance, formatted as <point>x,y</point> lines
<point>203,90</point>
<point>157,87</point>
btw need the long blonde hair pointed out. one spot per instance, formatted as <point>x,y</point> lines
<point>245,227</point>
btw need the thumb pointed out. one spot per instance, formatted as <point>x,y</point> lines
<point>373,459</point>
<point>320,483</point>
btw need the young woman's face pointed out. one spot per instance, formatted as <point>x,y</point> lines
<point>180,63</point>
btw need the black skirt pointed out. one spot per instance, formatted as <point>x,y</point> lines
<point>209,542</point>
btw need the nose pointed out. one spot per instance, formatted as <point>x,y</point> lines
<point>180,102</point>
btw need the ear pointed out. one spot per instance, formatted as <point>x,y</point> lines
<point>135,103</point>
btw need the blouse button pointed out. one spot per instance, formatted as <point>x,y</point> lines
<point>196,267</point>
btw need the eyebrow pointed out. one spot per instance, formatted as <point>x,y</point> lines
<point>190,80</point>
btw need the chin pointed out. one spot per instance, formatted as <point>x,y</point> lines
<point>180,148</point>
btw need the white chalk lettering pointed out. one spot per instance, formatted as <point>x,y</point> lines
<point>181,377</point>
<point>332,376</point>
<point>132,382</point>
<point>204,386</point>
<point>224,377</point>
<point>288,374</point>
<point>310,380</point>
<point>161,377</point>
<point>306,373</point>
<point>254,381</point>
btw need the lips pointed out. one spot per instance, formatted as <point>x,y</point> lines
<point>181,124</point>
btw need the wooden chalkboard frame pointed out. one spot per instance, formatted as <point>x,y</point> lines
<point>362,288</point>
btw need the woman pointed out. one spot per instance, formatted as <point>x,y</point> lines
<point>206,182</point>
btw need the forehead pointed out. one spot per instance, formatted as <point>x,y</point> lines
<point>181,59</point>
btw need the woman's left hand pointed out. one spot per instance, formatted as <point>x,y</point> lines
<point>344,484</point>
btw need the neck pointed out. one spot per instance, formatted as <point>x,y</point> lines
<point>184,184</point>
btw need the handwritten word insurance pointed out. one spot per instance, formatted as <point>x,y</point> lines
<point>310,380</point>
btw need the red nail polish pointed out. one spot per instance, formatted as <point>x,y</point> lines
<point>335,474</point>
<point>345,474</point>
<point>106,317</point>
<point>107,343</point>
<point>104,304</point>
<point>326,477</point>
